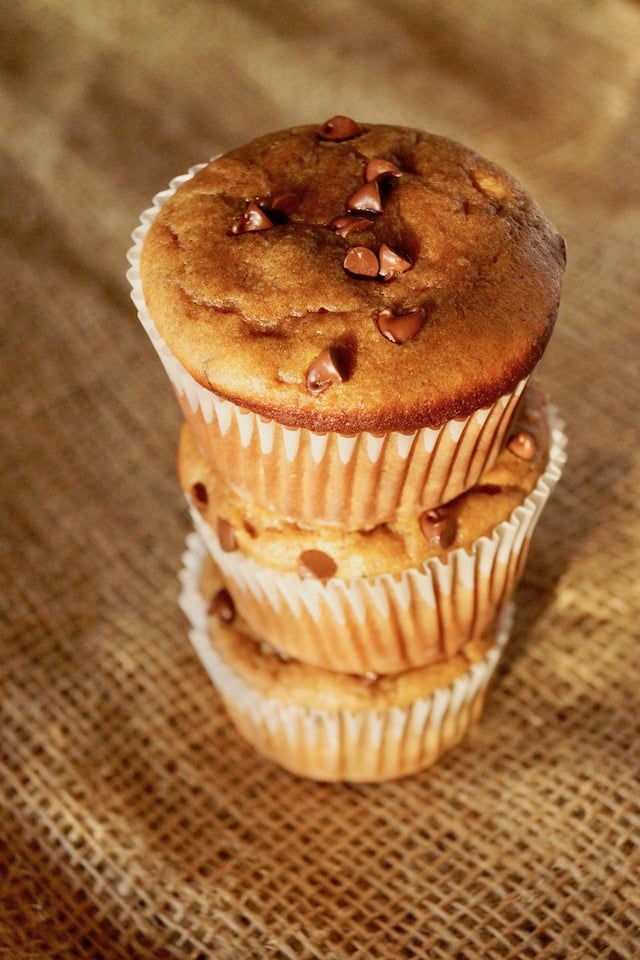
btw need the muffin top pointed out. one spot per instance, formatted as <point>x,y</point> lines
<point>352,277</point>
<point>406,541</point>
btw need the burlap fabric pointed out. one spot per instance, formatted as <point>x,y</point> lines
<point>135,822</point>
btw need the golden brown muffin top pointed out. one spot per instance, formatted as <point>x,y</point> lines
<point>354,277</point>
<point>390,548</point>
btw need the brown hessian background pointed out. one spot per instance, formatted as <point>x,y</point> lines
<point>135,822</point>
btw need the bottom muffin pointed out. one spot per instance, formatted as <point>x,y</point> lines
<point>324,725</point>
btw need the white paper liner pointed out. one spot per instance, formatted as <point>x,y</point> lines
<point>367,745</point>
<point>368,477</point>
<point>390,622</point>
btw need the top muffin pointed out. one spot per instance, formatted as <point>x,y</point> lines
<point>349,277</point>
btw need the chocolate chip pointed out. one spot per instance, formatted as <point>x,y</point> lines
<point>278,207</point>
<point>398,328</point>
<point>222,606</point>
<point>325,371</point>
<point>339,128</point>
<point>200,496</point>
<point>227,535</point>
<point>378,168</point>
<point>490,489</point>
<point>391,263</point>
<point>438,528</point>
<point>347,224</point>
<point>316,565</point>
<point>249,527</point>
<point>283,202</point>
<point>253,219</point>
<point>361,261</point>
<point>366,198</point>
<point>522,445</point>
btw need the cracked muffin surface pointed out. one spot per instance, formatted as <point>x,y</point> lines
<point>377,278</point>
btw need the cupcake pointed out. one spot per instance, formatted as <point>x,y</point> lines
<point>401,595</point>
<point>349,314</point>
<point>325,725</point>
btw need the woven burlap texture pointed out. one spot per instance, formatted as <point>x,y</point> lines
<point>135,822</point>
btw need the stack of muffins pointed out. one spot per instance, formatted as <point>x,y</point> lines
<point>350,315</point>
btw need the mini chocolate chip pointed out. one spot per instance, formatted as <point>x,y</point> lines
<point>339,128</point>
<point>361,261</point>
<point>347,224</point>
<point>522,445</point>
<point>366,198</point>
<point>325,370</point>
<point>249,527</point>
<point>200,496</point>
<point>378,168</point>
<point>316,565</point>
<point>391,263</point>
<point>278,207</point>
<point>438,528</point>
<point>490,489</point>
<point>222,606</point>
<point>398,328</point>
<point>283,202</point>
<point>227,535</point>
<point>252,219</point>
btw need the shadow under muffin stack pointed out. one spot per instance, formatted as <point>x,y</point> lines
<point>350,315</point>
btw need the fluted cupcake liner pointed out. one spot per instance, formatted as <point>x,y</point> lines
<point>354,481</point>
<point>362,736</point>
<point>389,622</point>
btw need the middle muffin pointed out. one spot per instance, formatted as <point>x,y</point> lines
<point>404,594</point>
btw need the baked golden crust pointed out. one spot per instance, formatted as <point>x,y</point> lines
<point>249,310</point>
<point>405,541</point>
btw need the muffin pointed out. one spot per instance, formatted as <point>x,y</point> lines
<point>348,313</point>
<point>325,725</point>
<point>403,594</point>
